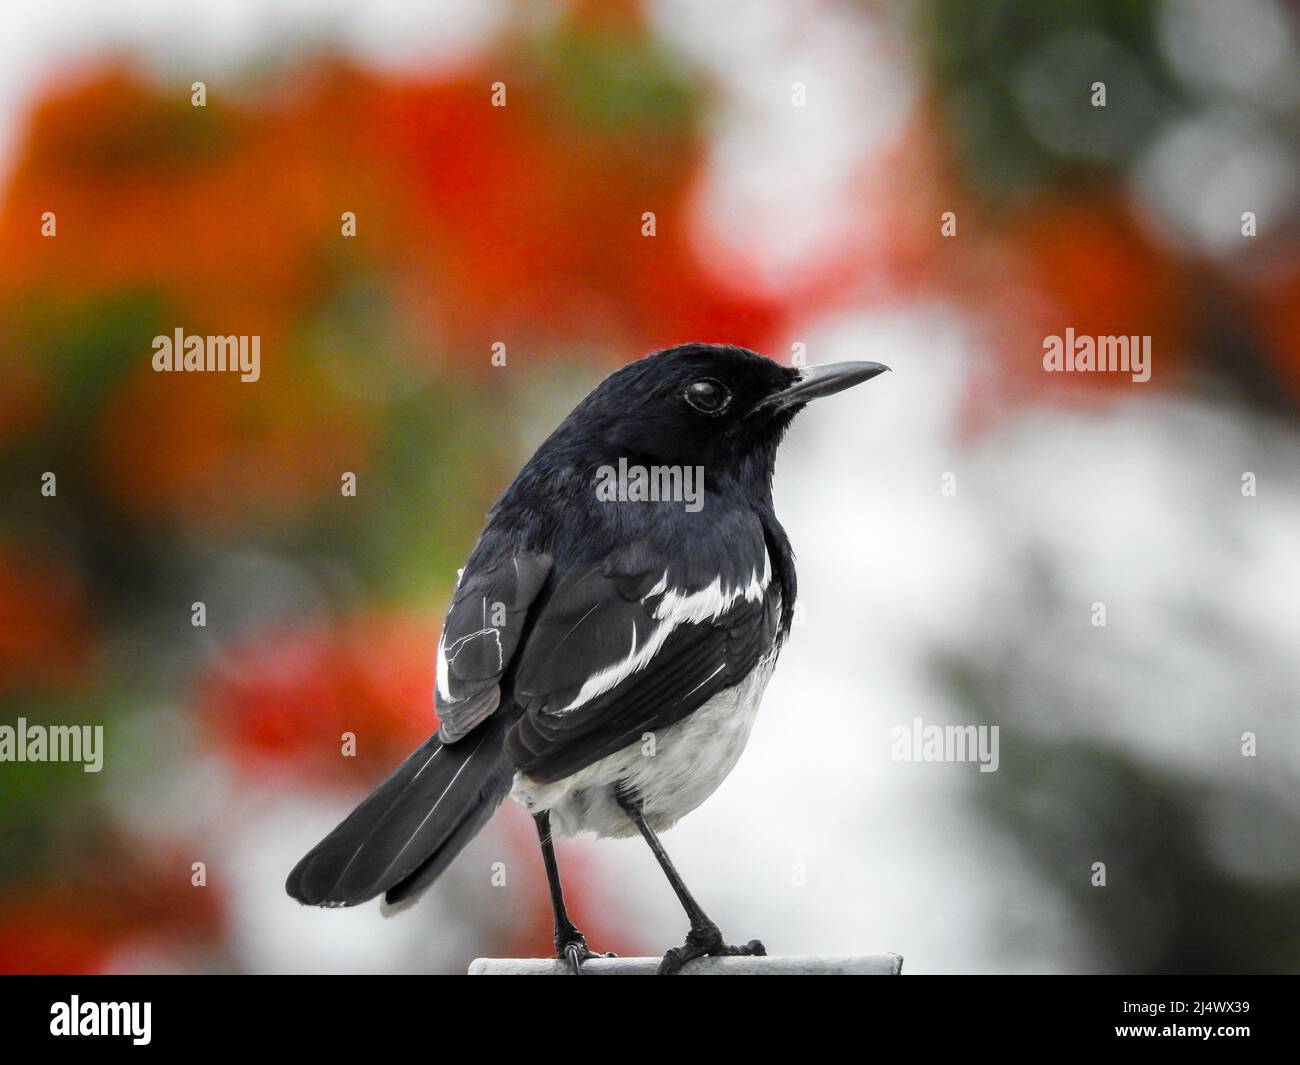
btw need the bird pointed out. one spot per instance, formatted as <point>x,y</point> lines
<point>604,653</point>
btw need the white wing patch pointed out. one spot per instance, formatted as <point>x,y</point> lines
<point>443,670</point>
<point>674,609</point>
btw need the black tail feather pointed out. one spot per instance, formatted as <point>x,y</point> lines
<point>492,791</point>
<point>408,830</point>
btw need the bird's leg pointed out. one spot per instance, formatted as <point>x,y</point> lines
<point>570,944</point>
<point>704,938</point>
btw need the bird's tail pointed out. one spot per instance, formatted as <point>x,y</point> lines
<point>408,830</point>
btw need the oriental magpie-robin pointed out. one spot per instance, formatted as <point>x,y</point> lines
<point>605,652</point>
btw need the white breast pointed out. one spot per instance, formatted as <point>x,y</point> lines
<point>673,771</point>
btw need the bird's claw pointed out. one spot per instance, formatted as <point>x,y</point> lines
<point>576,951</point>
<point>706,943</point>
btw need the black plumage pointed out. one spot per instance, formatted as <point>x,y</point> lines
<point>581,624</point>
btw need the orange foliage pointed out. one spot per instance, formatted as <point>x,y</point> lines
<point>44,639</point>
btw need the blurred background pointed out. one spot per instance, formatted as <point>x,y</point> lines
<point>777,225</point>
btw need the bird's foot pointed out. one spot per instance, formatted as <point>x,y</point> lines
<point>575,951</point>
<point>706,942</point>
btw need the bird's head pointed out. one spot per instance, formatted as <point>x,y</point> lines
<point>722,407</point>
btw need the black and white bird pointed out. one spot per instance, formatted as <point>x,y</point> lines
<point>603,658</point>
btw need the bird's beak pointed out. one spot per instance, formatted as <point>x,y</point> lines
<point>814,382</point>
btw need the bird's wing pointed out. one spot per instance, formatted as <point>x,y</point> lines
<point>480,637</point>
<point>622,648</point>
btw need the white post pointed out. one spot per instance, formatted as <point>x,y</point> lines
<point>790,965</point>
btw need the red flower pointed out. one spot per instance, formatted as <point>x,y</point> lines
<point>291,696</point>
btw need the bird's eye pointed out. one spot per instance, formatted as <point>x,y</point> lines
<point>708,396</point>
